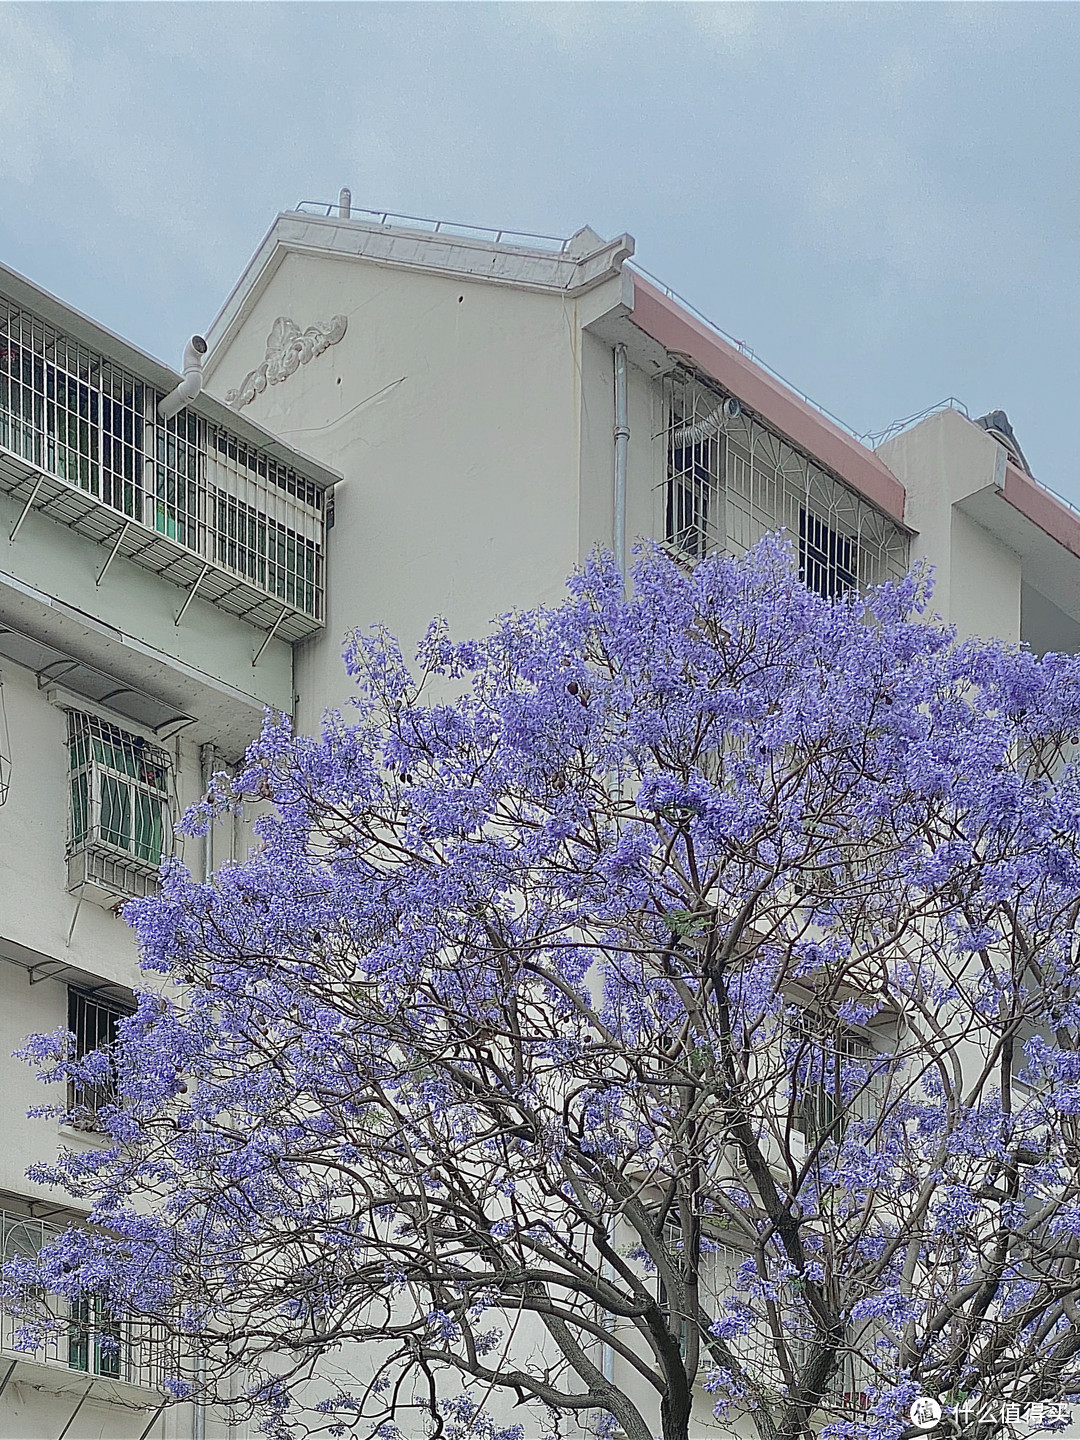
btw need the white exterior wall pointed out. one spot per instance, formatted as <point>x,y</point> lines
<point>463,490</point>
<point>942,462</point>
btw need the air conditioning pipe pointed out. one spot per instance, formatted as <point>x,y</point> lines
<point>191,384</point>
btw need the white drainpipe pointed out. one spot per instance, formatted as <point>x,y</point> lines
<point>206,757</point>
<point>191,384</point>
<point>622,443</point>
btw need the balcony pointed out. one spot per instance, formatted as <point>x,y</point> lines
<point>81,442</point>
<point>86,1341</point>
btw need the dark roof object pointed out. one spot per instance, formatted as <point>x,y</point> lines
<point>996,423</point>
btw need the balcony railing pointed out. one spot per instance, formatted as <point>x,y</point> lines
<point>85,1338</point>
<point>80,440</point>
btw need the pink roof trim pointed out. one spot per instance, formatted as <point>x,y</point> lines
<point>1042,508</point>
<point>677,330</point>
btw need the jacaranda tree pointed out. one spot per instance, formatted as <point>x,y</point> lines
<point>661,1005</point>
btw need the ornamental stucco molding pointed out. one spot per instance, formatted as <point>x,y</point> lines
<point>287,348</point>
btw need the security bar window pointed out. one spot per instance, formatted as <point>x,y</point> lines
<point>178,486</point>
<point>694,518</point>
<point>276,558</point>
<point>70,412</point>
<point>86,1335</point>
<point>95,1025</point>
<point>694,497</point>
<point>75,416</point>
<point>119,792</point>
<point>730,480</point>
<point>832,1081</point>
<point>828,560</point>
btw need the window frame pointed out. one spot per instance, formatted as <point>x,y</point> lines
<point>814,1112</point>
<point>119,784</point>
<point>88,1013</point>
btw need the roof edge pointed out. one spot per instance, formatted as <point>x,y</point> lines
<point>573,270</point>
<point>1052,515</point>
<point>681,333</point>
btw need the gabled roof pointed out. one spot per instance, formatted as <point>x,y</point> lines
<point>569,267</point>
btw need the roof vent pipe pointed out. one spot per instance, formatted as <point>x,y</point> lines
<point>191,384</point>
<point>344,203</point>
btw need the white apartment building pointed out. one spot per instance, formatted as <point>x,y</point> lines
<point>483,408</point>
<point>154,580</point>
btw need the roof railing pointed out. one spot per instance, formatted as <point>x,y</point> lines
<point>329,209</point>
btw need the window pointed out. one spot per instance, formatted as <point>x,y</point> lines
<point>276,558</point>
<point>831,1080</point>
<point>694,521</point>
<point>88,1336</point>
<point>828,561</point>
<point>122,401</point>
<point>95,1023</point>
<point>95,1339</point>
<point>178,479</point>
<point>119,793</point>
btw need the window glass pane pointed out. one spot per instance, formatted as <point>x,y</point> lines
<point>149,827</point>
<point>79,1336</point>
<point>115,811</point>
<point>80,806</point>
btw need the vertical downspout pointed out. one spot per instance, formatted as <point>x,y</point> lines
<point>622,443</point>
<point>607,1353</point>
<point>206,759</point>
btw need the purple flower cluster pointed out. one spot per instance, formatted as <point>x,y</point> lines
<point>689,976</point>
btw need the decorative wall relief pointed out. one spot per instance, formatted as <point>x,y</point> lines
<point>287,348</point>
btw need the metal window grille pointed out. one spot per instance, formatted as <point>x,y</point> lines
<point>75,415</point>
<point>267,522</point>
<point>95,1025</point>
<point>827,559</point>
<point>178,480</point>
<point>694,520</point>
<point>87,1337</point>
<point>120,788</point>
<point>833,1083</point>
<point>731,481</point>
<point>756,1350</point>
<point>69,411</point>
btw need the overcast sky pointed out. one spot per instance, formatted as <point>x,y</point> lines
<point>883,200</point>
